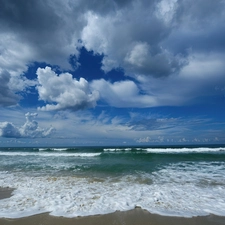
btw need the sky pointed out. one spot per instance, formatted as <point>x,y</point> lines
<point>112,72</point>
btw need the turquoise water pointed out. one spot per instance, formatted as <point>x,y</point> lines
<point>182,181</point>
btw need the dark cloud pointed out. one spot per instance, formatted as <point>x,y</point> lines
<point>28,16</point>
<point>47,28</point>
<point>9,130</point>
<point>199,13</point>
<point>199,26</point>
<point>7,97</point>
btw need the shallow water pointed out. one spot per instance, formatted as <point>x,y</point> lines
<point>72,182</point>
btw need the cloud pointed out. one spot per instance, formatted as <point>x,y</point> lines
<point>156,39</point>
<point>29,130</point>
<point>121,36</point>
<point>37,28</point>
<point>155,124</point>
<point>7,96</point>
<point>43,31</point>
<point>10,85</point>
<point>142,37</point>
<point>122,94</point>
<point>63,91</point>
<point>202,78</point>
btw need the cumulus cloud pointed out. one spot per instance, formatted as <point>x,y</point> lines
<point>30,129</point>
<point>30,32</point>
<point>63,91</point>
<point>129,40</point>
<point>123,94</point>
<point>202,77</point>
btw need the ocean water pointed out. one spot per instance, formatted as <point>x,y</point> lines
<point>81,181</point>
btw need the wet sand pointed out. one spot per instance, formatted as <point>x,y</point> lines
<point>5,192</point>
<point>132,217</point>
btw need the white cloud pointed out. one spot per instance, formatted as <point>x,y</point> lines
<point>131,38</point>
<point>30,32</point>
<point>203,76</point>
<point>11,59</point>
<point>166,10</point>
<point>30,129</point>
<point>122,94</point>
<point>63,91</point>
<point>143,140</point>
<point>12,66</point>
<point>138,54</point>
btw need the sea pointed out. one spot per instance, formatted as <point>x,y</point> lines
<point>181,181</point>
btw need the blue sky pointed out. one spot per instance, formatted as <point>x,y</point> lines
<point>112,72</point>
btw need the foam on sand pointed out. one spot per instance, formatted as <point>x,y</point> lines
<point>176,191</point>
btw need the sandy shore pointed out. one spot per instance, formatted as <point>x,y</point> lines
<point>132,217</point>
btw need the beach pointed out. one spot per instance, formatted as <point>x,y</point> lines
<point>136,216</point>
<point>98,185</point>
<point>131,217</point>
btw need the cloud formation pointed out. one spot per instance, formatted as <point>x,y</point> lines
<point>123,94</point>
<point>157,39</point>
<point>63,91</point>
<point>7,96</point>
<point>133,34</point>
<point>30,129</point>
<point>131,38</point>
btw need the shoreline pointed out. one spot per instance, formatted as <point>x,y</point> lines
<point>131,217</point>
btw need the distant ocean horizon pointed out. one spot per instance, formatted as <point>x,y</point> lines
<point>79,181</point>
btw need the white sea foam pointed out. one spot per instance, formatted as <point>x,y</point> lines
<point>112,149</point>
<point>53,149</point>
<point>116,149</point>
<point>43,149</point>
<point>49,154</point>
<point>169,150</point>
<point>183,150</point>
<point>184,189</point>
<point>59,149</point>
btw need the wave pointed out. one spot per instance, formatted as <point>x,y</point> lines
<point>44,154</point>
<point>44,149</point>
<point>184,150</point>
<point>116,149</point>
<point>177,191</point>
<point>53,149</point>
<point>167,150</point>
